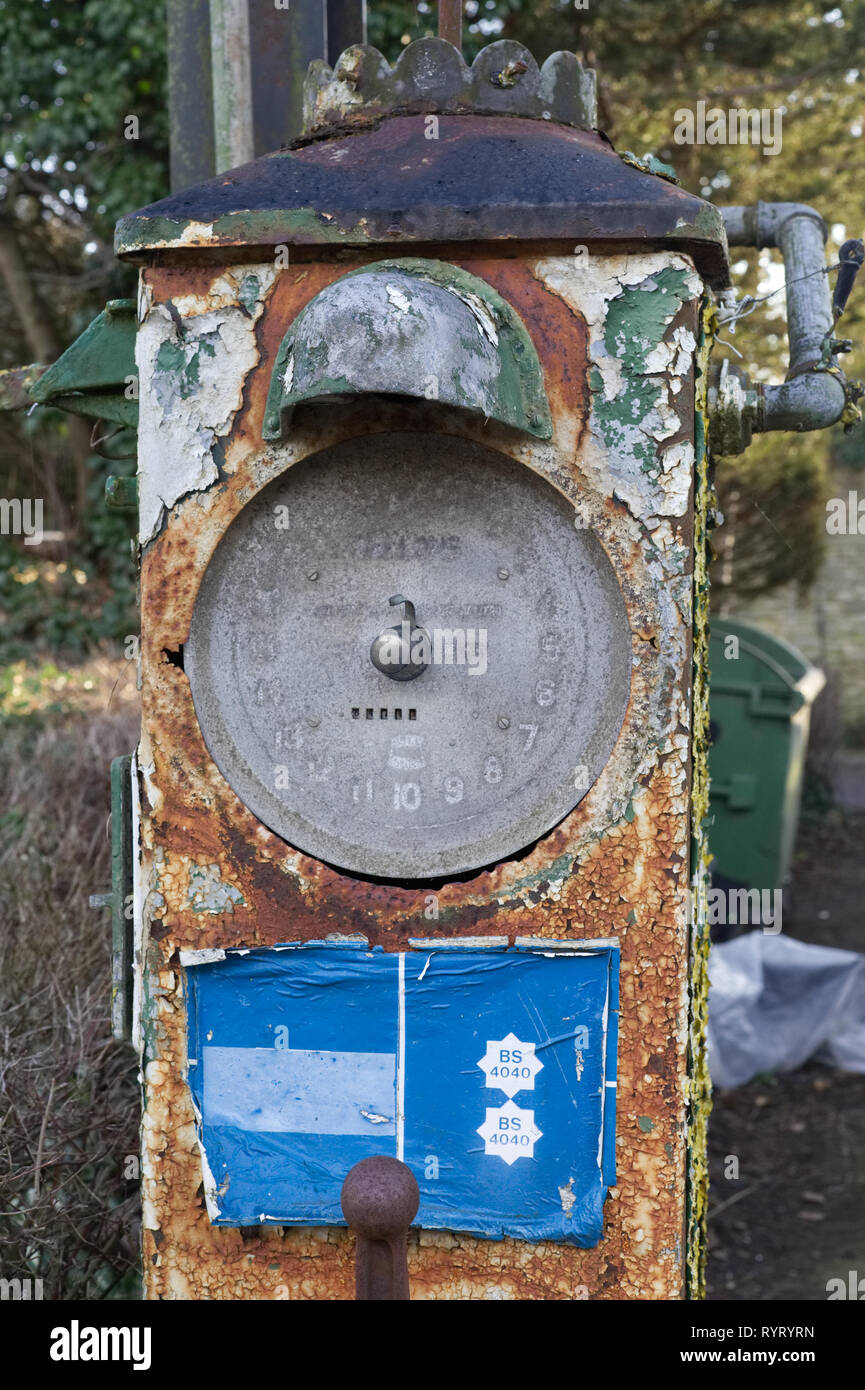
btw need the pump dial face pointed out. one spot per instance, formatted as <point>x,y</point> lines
<point>405,658</point>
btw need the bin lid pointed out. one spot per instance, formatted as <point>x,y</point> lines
<point>783,664</point>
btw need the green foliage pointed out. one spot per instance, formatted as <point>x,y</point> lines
<point>774,510</point>
<point>395,23</point>
<point>71,72</point>
<point>83,601</point>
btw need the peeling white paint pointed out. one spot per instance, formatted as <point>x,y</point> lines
<point>590,286</point>
<point>147,768</point>
<point>482,315</point>
<point>398,299</point>
<point>192,234</point>
<point>211,1188</point>
<point>567,1197</point>
<point>288,374</point>
<point>145,299</point>
<point>208,955</point>
<point>137,916</point>
<point>193,356</point>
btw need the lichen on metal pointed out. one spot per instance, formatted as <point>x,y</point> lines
<point>431,76</point>
<point>699,1081</point>
<point>411,327</point>
<point>650,165</point>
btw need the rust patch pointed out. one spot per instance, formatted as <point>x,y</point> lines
<point>558,333</point>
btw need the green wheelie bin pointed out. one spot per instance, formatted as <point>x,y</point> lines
<point>760,695</point>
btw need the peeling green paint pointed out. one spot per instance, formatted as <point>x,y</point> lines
<point>249,293</point>
<point>180,362</point>
<point>249,227</point>
<point>92,377</point>
<point>636,323</point>
<point>650,165</point>
<point>646,1123</point>
<point>708,225</point>
<point>637,318</point>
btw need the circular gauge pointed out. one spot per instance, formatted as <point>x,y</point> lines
<point>405,658</point>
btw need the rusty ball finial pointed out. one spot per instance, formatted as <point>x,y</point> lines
<point>380,1197</point>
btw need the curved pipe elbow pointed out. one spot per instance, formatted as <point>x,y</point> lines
<point>812,401</point>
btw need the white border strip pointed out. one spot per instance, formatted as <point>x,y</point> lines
<point>400,1064</point>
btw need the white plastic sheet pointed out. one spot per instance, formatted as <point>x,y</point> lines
<point>774,1002</point>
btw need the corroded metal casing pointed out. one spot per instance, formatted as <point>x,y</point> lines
<point>602,266</point>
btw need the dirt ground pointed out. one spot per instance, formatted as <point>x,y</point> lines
<point>795,1216</point>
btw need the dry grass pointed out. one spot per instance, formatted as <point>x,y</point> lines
<point>68,1093</point>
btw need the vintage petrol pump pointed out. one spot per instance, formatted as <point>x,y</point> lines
<point>415,821</point>
<point>421,484</point>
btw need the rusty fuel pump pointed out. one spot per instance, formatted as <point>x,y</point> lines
<point>415,838</point>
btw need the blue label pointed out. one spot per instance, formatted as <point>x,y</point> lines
<point>490,1072</point>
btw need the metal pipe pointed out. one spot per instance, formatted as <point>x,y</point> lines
<point>812,396</point>
<point>451,22</point>
<point>813,401</point>
<point>346,26</point>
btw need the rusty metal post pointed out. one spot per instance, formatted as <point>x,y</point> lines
<point>380,1199</point>
<point>451,22</point>
<point>284,41</point>
<point>346,25</point>
<point>190,92</point>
